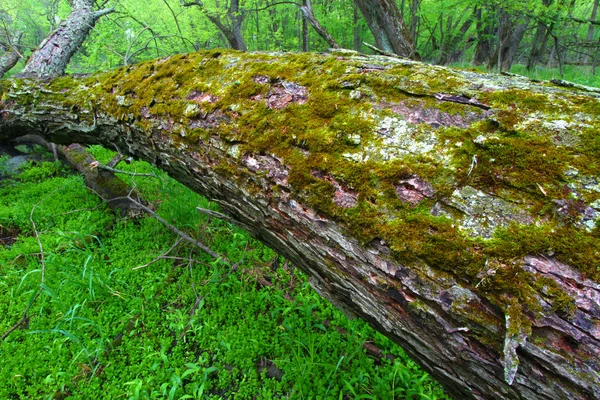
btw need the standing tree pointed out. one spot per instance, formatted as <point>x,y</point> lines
<point>388,28</point>
<point>230,26</point>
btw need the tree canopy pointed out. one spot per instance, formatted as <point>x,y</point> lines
<point>496,34</point>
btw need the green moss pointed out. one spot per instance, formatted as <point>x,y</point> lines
<point>522,165</point>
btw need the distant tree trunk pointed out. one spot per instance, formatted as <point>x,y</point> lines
<point>50,59</point>
<point>388,27</point>
<point>485,32</point>
<point>468,252</point>
<point>590,32</point>
<point>357,38</point>
<point>10,44</point>
<point>510,34</point>
<point>453,46</point>
<point>232,28</point>
<point>305,33</point>
<point>415,6</point>
<point>538,46</point>
<point>309,15</point>
<point>540,40</point>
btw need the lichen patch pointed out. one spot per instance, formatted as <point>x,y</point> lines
<point>436,118</point>
<point>483,213</point>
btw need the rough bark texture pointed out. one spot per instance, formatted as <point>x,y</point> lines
<point>455,212</point>
<point>50,59</point>
<point>7,61</point>
<point>388,27</point>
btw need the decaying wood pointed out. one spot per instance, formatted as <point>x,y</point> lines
<point>102,181</point>
<point>441,206</point>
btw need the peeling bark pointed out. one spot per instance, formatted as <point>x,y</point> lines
<point>432,203</point>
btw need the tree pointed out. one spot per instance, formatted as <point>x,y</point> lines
<point>457,219</point>
<point>388,27</point>
<point>10,44</point>
<point>231,28</point>
<point>50,59</point>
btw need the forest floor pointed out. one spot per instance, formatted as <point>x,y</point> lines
<point>121,308</point>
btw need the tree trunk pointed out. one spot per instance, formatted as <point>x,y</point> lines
<point>453,47</point>
<point>50,59</point>
<point>485,31</point>
<point>510,34</point>
<point>7,61</point>
<point>461,220</point>
<point>538,47</point>
<point>309,15</point>
<point>388,27</point>
<point>10,44</point>
<point>232,29</point>
<point>356,36</point>
<point>590,33</point>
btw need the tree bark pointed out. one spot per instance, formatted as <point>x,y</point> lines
<point>459,220</point>
<point>50,59</point>
<point>388,27</point>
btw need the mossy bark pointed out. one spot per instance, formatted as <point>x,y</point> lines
<point>455,212</point>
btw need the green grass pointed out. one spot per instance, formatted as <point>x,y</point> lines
<point>189,327</point>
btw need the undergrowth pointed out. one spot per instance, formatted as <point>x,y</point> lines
<point>126,311</point>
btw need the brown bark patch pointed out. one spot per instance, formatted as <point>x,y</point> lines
<point>274,169</point>
<point>284,93</point>
<point>414,189</point>
<point>201,97</point>
<point>343,197</point>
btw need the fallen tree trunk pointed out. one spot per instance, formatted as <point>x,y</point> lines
<point>456,212</point>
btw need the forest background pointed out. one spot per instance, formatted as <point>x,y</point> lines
<point>540,38</point>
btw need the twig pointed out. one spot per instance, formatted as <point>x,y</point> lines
<point>473,164</point>
<point>162,256</point>
<point>119,171</point>
<point>182,234</point>
<point>383,52</point>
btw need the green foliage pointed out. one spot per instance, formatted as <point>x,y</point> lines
<point>182,327</point>
<point>444,31</point>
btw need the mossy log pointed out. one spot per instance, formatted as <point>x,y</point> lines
<point>456,212</point>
